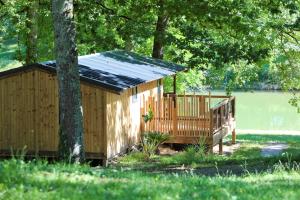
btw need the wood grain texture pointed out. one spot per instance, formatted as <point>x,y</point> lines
<point>30,113</point>
<point>123,117</point>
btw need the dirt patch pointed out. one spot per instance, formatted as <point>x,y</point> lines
<point>169,149</point>
<point>228,148</point>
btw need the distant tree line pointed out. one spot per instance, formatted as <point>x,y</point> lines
<point>233,44</point>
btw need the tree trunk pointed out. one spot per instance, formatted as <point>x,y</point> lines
<point>70,118</point>
<point>160,31</point>
<point>128,43</point>
<point>31,35</point>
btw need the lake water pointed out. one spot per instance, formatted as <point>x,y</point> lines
<point>266,111</point>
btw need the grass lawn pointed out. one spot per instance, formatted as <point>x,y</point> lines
<point>125,180</point>
<point>7,54</point>
<point>249,154</point>
<point>40,180</point>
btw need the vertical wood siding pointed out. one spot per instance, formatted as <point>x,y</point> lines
<point>123,117</point>
<point>46,112</point>
<point>30,115</point>
<point>17,111</point>
<point>93,117</point>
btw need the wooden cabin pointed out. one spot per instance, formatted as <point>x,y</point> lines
<point>112,84</point>
<point>117,88</point>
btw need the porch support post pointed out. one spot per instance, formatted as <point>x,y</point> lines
<point>175,125</point>
<point>221,147</point>
<point>174,84</point>
<point>104,162</point>
<point>233,136</point>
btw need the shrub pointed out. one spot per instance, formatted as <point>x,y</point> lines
<point>193,153</point>
<point>150,142</point>
<point>148,116</point>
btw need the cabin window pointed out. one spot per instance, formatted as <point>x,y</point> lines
<point>134,94</point>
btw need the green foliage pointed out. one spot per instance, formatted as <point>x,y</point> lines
<point>133,158</point>
<point>240,75</point>
<point>295,101</point>
<point>15,21</point>
<point>190,81</point>
<point>148,116</point>
<point>228,44</point>
<point>7,54</point>
<point>193,154</point>
<point>190,156</point>
<point>8,173</point>
<point>150,142</point>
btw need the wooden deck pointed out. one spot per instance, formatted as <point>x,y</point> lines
<point>189,118</point>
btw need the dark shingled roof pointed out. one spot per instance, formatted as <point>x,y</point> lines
<point>119,70</point>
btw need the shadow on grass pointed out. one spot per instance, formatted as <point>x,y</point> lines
<point>246,159</point>
<point>37,181</point>
<point>214,167</point>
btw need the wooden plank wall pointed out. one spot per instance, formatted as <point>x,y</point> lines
<point>46,112</point>
<point>17,111</point>
<point>123,117</point>
<point>93,115</point>
<point>30,116</point>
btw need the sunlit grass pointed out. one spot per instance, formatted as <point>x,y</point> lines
<point>40,180</point>
<point>268,138</point>
<point>249,152</point>
<point>132,179</point>
<point>11,65</point>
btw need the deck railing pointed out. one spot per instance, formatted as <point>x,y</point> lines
<point>187,116</point>
<point>221,114</point>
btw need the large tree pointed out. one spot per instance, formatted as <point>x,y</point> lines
<point>71,126</point>
<point>160,31</point>
<point>32,31</point>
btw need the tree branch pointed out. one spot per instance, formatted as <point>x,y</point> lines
<point>112,11</point>
<point>293,37</point>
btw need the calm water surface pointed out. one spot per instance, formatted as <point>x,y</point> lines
<point>261,110</point>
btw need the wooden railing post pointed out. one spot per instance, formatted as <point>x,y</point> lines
<point>233,137</point>
<point>217,118</point>
<point>175,125</point>
<point>221,116</point>
<point>189,116</point>
<point>233,107</point>
<point>211,121</point>
<point>221,146</point>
